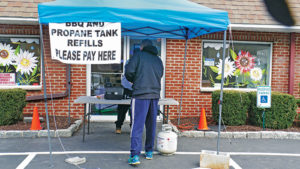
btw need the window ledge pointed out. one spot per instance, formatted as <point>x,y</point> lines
<point>211,89</point>
<point>25,87</point>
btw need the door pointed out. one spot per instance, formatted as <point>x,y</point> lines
<point>101,76</point>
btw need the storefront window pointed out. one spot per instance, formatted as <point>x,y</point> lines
<point>19,62</point>
<point>247,65</point>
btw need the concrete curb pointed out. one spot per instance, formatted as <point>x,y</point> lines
<point>242,135</point>
<point>41,133</point>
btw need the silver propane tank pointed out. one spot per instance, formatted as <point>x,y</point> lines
<point>166,140</point>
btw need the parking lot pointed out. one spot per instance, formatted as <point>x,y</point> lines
<point>105,150</point>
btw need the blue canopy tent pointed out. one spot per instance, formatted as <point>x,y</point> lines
<point>176,19</point>
<point>179,19</point>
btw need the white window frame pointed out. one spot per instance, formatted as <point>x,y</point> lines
<point>211,89</point>
<point>25,87</point>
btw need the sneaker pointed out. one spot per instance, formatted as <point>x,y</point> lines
<point>149,155</point>
<point>118,131</point>
<point>135,160</point>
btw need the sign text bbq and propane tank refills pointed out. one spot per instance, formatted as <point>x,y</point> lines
<point>86,42</point>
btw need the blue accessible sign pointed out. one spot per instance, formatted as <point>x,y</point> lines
<point>263,97</point>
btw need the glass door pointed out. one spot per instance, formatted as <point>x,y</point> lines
<point>101,76</point>
<point>134,45</point>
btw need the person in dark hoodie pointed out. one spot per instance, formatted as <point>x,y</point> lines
<point>145,70</point>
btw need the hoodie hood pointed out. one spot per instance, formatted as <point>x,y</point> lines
<point>150,49</point>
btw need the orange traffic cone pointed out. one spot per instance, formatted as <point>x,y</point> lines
<point>202,121</point>
<point>35,123</point>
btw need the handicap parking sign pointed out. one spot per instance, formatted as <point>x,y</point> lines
<point>263,97</point>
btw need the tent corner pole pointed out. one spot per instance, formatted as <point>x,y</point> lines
<point>45,92</point>
<point>182,82</point>
<point>69,93</point>
<point>221,93</point>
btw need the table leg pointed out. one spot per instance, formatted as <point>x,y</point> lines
<point>90,110</point>
<point>167,114</point>
<point>83,130</point>
<point>164,117</point>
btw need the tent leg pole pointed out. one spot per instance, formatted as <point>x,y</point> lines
<point>45,93</point>
<point>221,94</point>
<point>69,92</point>
<point>182,83</point>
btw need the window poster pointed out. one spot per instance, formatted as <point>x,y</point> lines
<point>247,65</point>
<point>19,61</point>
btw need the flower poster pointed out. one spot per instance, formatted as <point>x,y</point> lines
<point>19,61</point>
<point>247,65</point>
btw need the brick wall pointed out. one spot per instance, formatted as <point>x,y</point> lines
<point>193,99</point>
<point>55,77</point>
<point>297,66</point>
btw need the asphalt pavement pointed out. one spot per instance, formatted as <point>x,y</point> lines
<point>103,149</point>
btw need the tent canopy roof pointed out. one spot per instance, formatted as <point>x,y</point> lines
<point>180,19</point>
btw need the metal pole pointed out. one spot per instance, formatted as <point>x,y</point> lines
<point>45,93</point>
<point>69,92</point>
<point>263,116</point>
<point>182,83</point>
<point>83,129</point>
<point>221,94</point>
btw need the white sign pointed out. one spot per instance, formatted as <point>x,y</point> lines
<point>209,62</point>
<point>7,79</point>
<point>263,97</point>
<point>86,42</point>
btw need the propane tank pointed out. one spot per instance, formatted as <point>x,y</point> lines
<point>166,140</point>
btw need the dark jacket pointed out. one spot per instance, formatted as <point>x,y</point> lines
<point>145,70</point>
